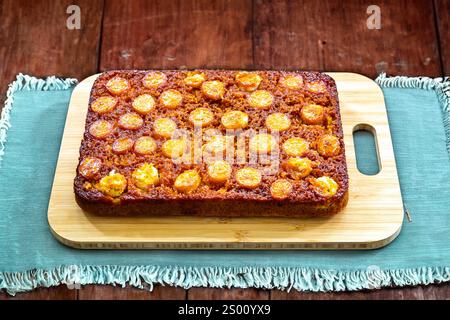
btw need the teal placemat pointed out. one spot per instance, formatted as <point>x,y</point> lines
<point>30,133</point>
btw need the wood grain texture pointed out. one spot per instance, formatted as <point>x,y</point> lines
<point>432,292</point>
<point>371,219</point>
<point>442,9</point>
<point>34,39</point>
<point>52,293</point>
<point>332,35</point>
<point>227,294</point>
<point>177,34</point>
<point>100,292</point>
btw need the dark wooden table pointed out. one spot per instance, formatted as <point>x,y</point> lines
<point>331,35</point>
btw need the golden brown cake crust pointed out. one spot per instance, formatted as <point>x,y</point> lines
<point>211,199</point>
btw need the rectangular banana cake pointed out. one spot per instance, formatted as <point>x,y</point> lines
<point>212,143</point>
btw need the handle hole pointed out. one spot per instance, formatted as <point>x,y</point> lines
<point>366,149</point>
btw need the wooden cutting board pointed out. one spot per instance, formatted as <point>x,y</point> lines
<point>372,218</point>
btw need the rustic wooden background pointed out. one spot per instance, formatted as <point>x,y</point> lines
<point>330,35</point>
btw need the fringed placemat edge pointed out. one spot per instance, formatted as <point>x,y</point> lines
<point>25,82</point>
<point>440,85</point>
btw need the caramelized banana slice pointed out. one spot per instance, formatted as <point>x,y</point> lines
<point>292,82</point>
<point>260,99</point>
<point>281,189</point>
<point>248,177</point>
<point>112,185</point>
<point>89,167</point>
<point>317,87</point>
<point>298,167</point>
<point>194,79</point>
<point>153,80</point>
<point>217,145</point>
<point>145,176</point>
<point>328,145</point>
<point>143,104</point>
<point>164,127</point>
<point>174,148</point>
<point>312,114</point>
<point>295,147</point>
<point>219,171</point>
<point>117,85</point>
<point>278,122</point>
<point>262,143</point>
<point>325,186</point>
<point>100,129</point>
<point>234,120</point>
<point>145,145</point>
<point>130,121</point>
<point>171,99</point>
<point>188,181</point>
<point>248,81</point>
<point>201,117</point>
<point>122,145</point>
<point>214,90</point>
<point>104,105</point>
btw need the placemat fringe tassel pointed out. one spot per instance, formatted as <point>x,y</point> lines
<point>25,82</point>
<point>440,85</point>
<point>145,277</point>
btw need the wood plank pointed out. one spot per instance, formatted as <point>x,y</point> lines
<point>436,292</point>
<point>442,8</point>
<point>52,293</point>
<point>359,226</point>
<point>35,40</point>
<point>177,34</point>
<point>332,35</point>
<point>227,294</point>
<point>101,292</point>
<point>431,292</point>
